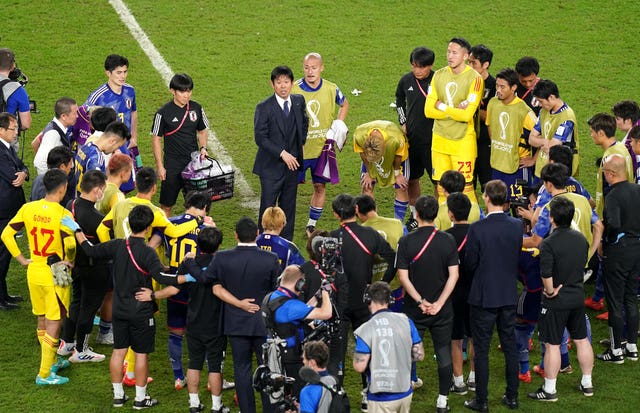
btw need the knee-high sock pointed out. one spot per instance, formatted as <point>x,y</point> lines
<point>175,355</point>
<point>400,208</point>
<point>314,215</point>
<point>523,334</point>
<point>48,347</point>
<point>40,334</point>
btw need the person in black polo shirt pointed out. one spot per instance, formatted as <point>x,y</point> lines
<point>427,263</point>
<point>621,263</point>
<point>359,247</point>
<point>205,340</point>
<point>563,255</point>
<point>91,276</point>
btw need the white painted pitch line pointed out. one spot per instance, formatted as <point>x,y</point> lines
<point>249,198</point>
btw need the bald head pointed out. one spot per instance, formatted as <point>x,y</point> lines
<point>290,275</point>
<point>614,168</point>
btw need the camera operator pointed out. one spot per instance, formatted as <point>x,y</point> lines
<point>315,356</point>
<point>325,266</point>
<point>16,100</point>
<point>284,316</point>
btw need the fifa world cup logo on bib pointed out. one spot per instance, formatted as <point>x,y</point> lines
<point>504,121</point>
<point>385,348</point>
<point>450,90</point>
<point>313,108</point>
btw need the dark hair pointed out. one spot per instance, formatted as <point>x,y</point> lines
<point>101,117</point>
<point>5,119</point>
<point>634,133</point>
<point>459,205</point>
<point>209,240</point>
<point>527,66</point>
<point>309,248</point>
<point>118,129</point>
<point>146,178</point>
<point>344,205</point>
<point>427,207</point>
<point>114,61</point>
<point>545,88</point>
<point>452,181</point>
<point>627,109</point>
<point>496,191</point>
<point>92,179</point>
<point>281,71</point>
<point>365,204</point>
<point>54,179</point>
<point>181,82</point>
<point>509,75</point>
<point>140,217</point>
<point>422,57</point>
<point>63,106</point>
<point>198,200</point>
<point>482,53</point>
<point>555,173</point>
<point>380,292</point>
<point>462,42</point>
<point>317,351</point>
<point>561,154</point>
<point>561,210</point>
<point>603,122</point>
<point>7,59</point>
<point>58,156</point>
<point>246,230</point>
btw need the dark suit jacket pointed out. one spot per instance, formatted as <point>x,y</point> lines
<point>11,198</point>
<point>270,135</point>
<point>492,252</point>
<point>247,272</point>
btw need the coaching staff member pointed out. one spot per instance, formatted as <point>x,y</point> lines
<point>359,247</point>
<point>427,263</point>
<point>13,174</point>
<point>247,273</point>
<point>563,255</point>
<point>621,263</point>
<point>493,250</point>
<point>280,128</point>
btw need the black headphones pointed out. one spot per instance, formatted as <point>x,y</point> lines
<point>300,284</point>
<point>367,298</point>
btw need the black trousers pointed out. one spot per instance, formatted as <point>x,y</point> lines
<point>281,192</point>
<point>90,284</point>
<point>5,260</point>
<point>620,270</point>
<point>440,327</point>
<point>242,350</point>
<point>482,322</point>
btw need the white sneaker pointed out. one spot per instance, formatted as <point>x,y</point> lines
<point>66,348</point>
<point>180,384</point>
<point>227,385</point>
<point>86,356</point>
<point>105,338</point>
<point>417,384</point>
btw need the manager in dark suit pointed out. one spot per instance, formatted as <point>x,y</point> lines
<point>13,174</point>
<point>493,248</point>
<point>280,128</point>
<point>242,276</point>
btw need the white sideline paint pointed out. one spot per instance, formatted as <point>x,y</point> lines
<point>249,198</point>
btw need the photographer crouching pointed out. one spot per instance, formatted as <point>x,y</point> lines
<point>284,315</point>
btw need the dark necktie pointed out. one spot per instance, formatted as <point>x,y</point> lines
<point>285,109</point>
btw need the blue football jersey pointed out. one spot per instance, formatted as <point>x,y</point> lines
<point>287,252</point>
